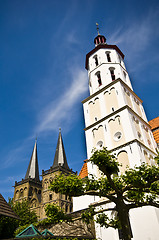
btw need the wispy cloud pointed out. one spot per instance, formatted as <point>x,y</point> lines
<point>71,38</point>
<point>139,34</point>
<point>16,153</point>
<point>137,38</point>
<point>59,111</point>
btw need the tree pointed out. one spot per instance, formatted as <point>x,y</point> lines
<point>9,225</point>
<point>54,215</point>
<point>137,187</point>
<point>22,209</point>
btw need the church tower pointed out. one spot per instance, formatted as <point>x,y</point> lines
<point>60,166</point>
<point>37,191</point>
<point>30,188</point>
<point>115,118</point>
<point>114,115</point>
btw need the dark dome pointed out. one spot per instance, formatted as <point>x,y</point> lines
<point>100,39</point>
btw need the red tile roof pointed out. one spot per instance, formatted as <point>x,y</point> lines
<point>84,171</point>
<point>154,124</point>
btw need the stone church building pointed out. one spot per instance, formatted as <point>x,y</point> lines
<point>37,191</point>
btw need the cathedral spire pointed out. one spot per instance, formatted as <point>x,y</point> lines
<point>60,156</point>
<point>33,168</point>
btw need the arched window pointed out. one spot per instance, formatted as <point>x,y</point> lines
<point>30,191</point>
<point>112,73</point>
<point>17,194</point>
<point>96,60</point>
<point>124,75</point>
<point>108,56</point>
<point>123,160</point>
<point>21,192</point>
<point>99,78</point>
<point>147,160</point>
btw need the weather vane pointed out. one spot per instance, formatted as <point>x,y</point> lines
<point>97,28</point>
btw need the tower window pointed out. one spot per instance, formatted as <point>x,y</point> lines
<point>108,57</point>
<point>99,79</point>
<point>124,75</point>
<point>112,74</point>
<point>96,60</point>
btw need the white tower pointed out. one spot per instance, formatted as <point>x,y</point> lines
<point>115,118</point>
<point>114,115</point>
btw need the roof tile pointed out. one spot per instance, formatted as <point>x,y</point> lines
<point>84,171</point>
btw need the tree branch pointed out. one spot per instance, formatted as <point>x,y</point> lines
<point>137,205</point>
<point>96,193</point>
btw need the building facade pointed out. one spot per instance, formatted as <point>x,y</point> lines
<point>115,118</point>
<point>36,191</point>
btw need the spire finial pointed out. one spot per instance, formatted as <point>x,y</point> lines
<point>59,129</point>
<point>97,28</point>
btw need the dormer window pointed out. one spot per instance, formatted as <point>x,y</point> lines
<point>108,56</point>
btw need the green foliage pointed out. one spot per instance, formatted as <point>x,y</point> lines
<point>105,161</point>
<point>87,216</point>
<point>105,221</point>
<point>20,229</point>
<point>9,225</point>
<point>22,209</point>
<point>70,185</point>
<point>137,187</point>
<point>54,215</point>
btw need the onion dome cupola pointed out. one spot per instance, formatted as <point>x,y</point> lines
<point>100,39</point>
<point>60,156</point>
<point>33,168</point>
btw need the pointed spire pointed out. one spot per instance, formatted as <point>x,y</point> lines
<point>33,168</point>
<point>60,156</point>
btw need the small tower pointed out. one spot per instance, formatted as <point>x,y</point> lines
<point>30,188</point>
<point>60,166</point>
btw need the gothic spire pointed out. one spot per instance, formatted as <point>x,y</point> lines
<point>60,156</point>
<point>33,168</point>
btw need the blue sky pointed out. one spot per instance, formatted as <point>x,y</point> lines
<point>43,80</point>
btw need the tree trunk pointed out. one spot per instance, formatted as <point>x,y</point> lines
<point>123,215</point>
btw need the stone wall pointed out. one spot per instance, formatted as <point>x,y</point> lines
<point>76,228</point>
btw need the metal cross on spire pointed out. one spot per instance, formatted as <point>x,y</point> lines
<point>97,28</point>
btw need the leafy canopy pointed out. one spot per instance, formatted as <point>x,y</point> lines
<point>135,188</point>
